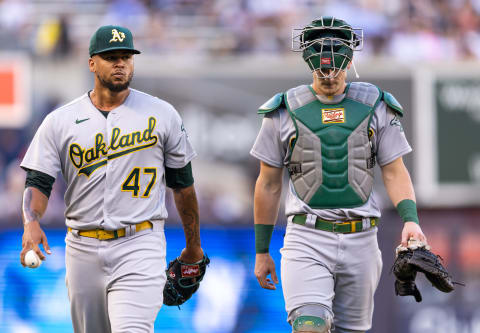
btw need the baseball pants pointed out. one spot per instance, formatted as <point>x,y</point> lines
<point>116,285</point>
<point>337,271</point>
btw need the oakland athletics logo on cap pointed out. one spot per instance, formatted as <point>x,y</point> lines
<point>117,36</point>
<point>110,38</point>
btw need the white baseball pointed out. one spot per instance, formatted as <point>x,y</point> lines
<point>32,260</point>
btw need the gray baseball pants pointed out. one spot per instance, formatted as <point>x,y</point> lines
<point>116,285</point>
<point>339,272</point>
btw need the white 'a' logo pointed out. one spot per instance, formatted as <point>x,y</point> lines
<point>117,36</point>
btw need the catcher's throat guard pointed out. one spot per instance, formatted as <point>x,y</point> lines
<point>327,45</point>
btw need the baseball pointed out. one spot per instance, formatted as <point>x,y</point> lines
<point>32,260</point>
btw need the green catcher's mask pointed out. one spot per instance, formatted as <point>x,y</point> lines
<point>327,45</point>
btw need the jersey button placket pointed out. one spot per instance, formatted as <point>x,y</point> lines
<point>109,181</point>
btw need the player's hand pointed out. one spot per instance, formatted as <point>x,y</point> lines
<point>191,255</point>
<point>33,235</point>
<point>264,265</point>
<point>412,230</point>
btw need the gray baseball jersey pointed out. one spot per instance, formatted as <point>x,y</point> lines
<point>114,167</point>
<point>272,144</point>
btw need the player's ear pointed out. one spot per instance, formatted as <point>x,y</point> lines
<point>91,64</point>
<point>349,64</point>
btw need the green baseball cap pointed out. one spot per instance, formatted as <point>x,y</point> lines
<point>111,37</point>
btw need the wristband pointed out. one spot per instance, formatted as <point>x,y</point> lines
<point>407,209</point>
<point>263,235</point>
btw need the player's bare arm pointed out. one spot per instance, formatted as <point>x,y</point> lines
<point>268,190</point>
<point>187,206</point>
<point>33,207</point>
<point>399,187</point>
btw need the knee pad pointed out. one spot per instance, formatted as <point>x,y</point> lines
<point>311,318</point>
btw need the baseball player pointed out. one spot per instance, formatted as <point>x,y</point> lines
<point>117,148</point>
<point>329,135</point>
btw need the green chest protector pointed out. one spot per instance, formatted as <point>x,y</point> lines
<point>331,157</point>
<point>331,162</point>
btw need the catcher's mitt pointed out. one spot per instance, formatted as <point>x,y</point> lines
<point>183,280</point>
<point>417,257</point>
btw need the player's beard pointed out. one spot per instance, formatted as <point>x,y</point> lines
<point>116,87</point>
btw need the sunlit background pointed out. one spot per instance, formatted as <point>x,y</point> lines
<point>216,61</point>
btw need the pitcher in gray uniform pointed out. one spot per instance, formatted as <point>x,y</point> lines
<point>117,149</point>
<point>329,135</point>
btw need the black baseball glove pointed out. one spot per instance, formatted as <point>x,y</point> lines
<point>183,280</point>
<point>419,258</point>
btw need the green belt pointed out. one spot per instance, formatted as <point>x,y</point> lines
<point>341,227</point>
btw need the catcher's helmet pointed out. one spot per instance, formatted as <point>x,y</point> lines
<point>327,43</point>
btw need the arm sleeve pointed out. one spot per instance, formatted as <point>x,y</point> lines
<point>39,180</point>
<point>179,178</point>
<point>391,141</point>
<point>178,149</point>
<point>42,154</point>
<point>268,146</point>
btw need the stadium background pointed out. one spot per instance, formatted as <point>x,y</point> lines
<point>216,61</point>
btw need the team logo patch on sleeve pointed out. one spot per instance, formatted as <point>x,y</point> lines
<point>396,122</point>
<point>333,116</point>
<point>190,271</point>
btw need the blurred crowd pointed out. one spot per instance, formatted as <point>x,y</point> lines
<point>407,30</point>
<point>403,30</point>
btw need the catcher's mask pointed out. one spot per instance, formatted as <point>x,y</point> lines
<point>327,45</point>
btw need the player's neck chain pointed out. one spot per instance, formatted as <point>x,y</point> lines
<point>87,160</point>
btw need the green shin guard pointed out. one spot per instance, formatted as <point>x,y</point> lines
<point>310,324</point>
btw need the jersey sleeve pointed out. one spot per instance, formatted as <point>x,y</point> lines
<point>178,149</point>
<point>268,146</point>
<point>390,138</point>
<point>39,180</point>
<point>43,154</point>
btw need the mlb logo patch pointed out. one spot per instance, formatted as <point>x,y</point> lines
<point>333,116</point>
<point>325,61</point>
<point>190,271</point>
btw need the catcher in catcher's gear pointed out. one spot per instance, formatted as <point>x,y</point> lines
<point>329,134</point>
<point>417,257</point>
<point>183,280</point>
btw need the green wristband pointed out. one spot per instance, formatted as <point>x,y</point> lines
<point>263,235</point>
<point>407,209</point>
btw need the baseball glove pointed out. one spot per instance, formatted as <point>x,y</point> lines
<point>417,257</point>
<point>183,280</point>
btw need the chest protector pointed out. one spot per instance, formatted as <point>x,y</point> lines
<point>331,161</point>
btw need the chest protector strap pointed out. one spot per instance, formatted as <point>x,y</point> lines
<point>330,163</point>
